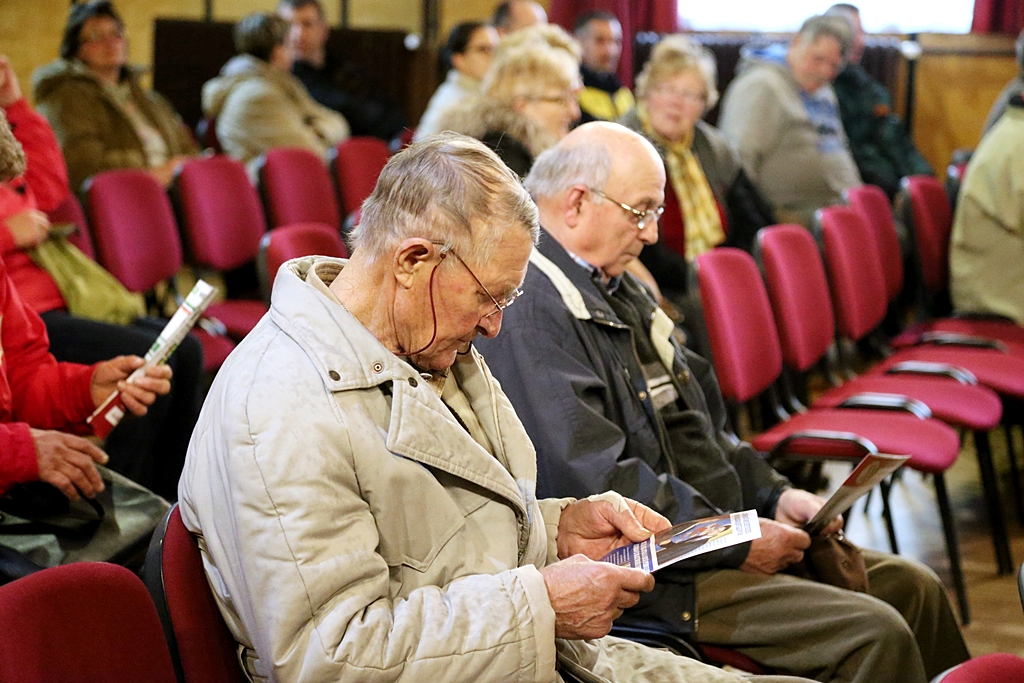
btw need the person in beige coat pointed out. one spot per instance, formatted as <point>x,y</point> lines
<point>362,490</point>
<point>259,104</point>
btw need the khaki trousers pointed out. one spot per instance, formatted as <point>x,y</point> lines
<point>903,631</point>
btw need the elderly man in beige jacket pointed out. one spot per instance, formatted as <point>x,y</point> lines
<point>363,492</point>
<point>258,104</point>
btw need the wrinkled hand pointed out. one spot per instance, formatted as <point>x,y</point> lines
<point>780,545</point>
<point>595,528</point>
<point>796,507</point>
<point>588,596</point>
<point>28,228</point>
<point>165,172</point>
<point>137,396</point>
<point>10,90</point>
<point>66,461</point>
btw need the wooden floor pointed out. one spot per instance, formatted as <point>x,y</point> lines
<point>997,619</point>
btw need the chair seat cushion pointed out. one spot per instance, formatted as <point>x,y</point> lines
<point>1001,372</point>
<point>238,315</point>
<point>931,445</point>
<point>990,329</point>
<point>963,405</point>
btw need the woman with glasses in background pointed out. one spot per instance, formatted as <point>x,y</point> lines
<point>528,101</point>
<point>94,101</point>
<point>468,54</point>
<point>708,199</point>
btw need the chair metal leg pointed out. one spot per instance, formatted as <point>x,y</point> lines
<point>885,485</point>
<point>1000,541</point>
<point>1014,472</point>
<point>952,548</point>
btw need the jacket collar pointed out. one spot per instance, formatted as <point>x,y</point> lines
<point>349,358</point>
<point>578,290</point>
<point>581,295</point>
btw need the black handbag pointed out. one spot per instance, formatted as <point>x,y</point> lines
<point>40,528</point>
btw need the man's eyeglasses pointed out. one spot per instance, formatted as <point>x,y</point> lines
<point>642,217</point>
<point>499,306</point>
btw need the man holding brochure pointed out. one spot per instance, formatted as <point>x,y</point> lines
<point>610,401</point>
<point>364,494</point>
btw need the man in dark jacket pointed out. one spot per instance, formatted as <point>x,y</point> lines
<point>603,97</point>
<point>327,79</point>
<point>880,144</point>
<point>610,401</point>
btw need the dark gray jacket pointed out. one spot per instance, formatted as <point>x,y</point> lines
<point>569,365</point>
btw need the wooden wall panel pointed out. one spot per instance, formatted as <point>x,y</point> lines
<point>958,78</point>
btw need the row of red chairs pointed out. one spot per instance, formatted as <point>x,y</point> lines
<point>755,331</point>
<point>222,223</point>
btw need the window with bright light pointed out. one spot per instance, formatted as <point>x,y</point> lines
<point>877,16</point>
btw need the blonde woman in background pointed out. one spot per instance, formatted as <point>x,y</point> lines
<point>528,102</point>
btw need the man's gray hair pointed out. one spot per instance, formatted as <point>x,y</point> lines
<point>450,189</point>
<point>828,26</point>
<point>563,166</point>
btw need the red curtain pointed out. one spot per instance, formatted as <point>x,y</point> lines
<point>634,15</point>
<point>998,16</point>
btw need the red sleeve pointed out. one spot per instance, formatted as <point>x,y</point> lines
<point>46,174</point>
<point>7,244</point>
<point>18,461</point>
<point>45,394</point>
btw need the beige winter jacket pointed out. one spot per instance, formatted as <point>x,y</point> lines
<point>258,108</point>
<point>352,530</point>
<point>94,132</point>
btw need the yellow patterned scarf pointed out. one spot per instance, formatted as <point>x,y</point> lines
<point>696,201</point>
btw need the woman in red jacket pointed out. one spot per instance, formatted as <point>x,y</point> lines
<point>150,451</point>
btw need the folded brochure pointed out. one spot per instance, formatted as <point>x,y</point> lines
<point>688,540</point>
<point>872,469</point>
<point>108,415</point>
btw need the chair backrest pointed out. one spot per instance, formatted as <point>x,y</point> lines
<point>87,621</point>
<point>955,173</point>
<point>854,271</point>
<point>932,222</point>
<point>296,188</point>
<point>798,290</point>
<point>220,212</point>
<point>70,211</point>
<point>357,163</point>
<point>873,206</point>
<point>741,329</point>
<point>133,227</point>
<point>202,649</point>
<point>292,241</point>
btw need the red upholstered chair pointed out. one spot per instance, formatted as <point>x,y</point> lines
<point>357,163</point>
<point>292,241</point>
<point>748,360</point>
<point>296,188</point>
<point>993,668</point>
<point>136,239</point>
<point>799,292</point>
<point>88,621</point>
<point>202,648</point>
<point>70,211</point>
<point>873,206</point>
<point>223,223</point>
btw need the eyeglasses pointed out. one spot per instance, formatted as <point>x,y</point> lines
<point>499,306</point>
<point>566,99</point>
<point>687,96</point>
<point>482,49</point>
<point>106,36</point>
<point>642,217</point>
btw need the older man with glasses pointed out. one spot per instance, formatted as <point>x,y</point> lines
<point>611,401</point>
<point>364,494</point>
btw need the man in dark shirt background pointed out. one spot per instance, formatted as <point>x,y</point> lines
<point>603,97</point>
<point>328,79</point>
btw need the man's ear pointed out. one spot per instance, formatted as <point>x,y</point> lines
<point>411,259</point>
<point>574,205</point>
